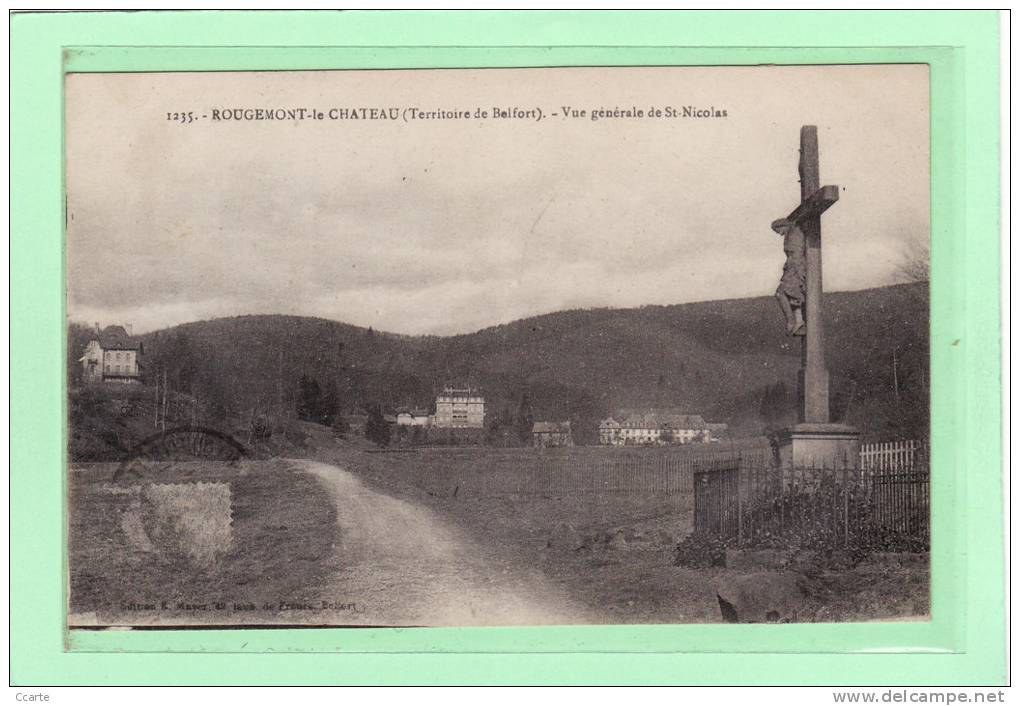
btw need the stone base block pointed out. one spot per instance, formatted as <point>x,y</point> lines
<point>819,446</point>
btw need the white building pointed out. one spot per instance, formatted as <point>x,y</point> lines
<point>652,428</point>
<point>112,355</point>
<point>414,418</point>
<point>551,434</point>
<point>460,408</point>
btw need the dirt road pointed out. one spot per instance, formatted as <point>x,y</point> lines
<point>401,564</point>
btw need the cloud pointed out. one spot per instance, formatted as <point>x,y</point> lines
<point>450,226</point>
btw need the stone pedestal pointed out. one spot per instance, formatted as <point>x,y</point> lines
<point>819,446</point>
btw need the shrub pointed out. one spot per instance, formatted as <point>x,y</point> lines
<point>341,427</point>
<point>833,522</point>
<point>700,552</point>
<point>294,434</point>
<point>261,427</point>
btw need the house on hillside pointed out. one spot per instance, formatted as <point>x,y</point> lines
<point>460,408</point>
<point>414,418</point>
<point>609,432</point>
<point>652,427</point>
<point>112,355</point>
<point>356,423</point>
<point>551,434</point>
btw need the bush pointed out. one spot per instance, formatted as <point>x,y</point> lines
<point>340,425</point>
<point>294,434</point>
<point>810,518</point>
<point>261,427</point>
<point>700,552</point>
<point>377,430</point>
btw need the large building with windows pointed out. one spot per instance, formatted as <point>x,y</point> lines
<point>112,355</point>
<point>546,435</point>
<point>460,408</point>
<point>653,427</point>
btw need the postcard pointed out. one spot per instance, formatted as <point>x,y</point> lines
<point>530,346</point>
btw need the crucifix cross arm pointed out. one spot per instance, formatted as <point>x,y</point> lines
<point>815,204</point>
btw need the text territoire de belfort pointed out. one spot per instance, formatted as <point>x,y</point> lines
<point>478,113</point>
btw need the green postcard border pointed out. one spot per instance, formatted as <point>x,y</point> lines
<point>964,643</point>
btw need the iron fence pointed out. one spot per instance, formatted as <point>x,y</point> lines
<point>822,507</point>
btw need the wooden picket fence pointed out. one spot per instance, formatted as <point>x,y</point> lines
<point>893,455</point>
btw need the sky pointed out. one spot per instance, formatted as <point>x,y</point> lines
<point>441,226</point>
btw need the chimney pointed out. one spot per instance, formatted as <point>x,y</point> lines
<point>97,327</point>
<point>128,327</point>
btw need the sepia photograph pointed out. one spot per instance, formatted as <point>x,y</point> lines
<point>489,347</point>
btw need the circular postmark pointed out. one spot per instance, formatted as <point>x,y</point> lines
<point>158,452</point>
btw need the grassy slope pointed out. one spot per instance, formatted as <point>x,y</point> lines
<point>634,581</point>
<point>285,529</point>
<point>284,532</point>
<point>714,358</point>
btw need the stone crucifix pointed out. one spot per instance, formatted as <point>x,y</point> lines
<point>803,309</point>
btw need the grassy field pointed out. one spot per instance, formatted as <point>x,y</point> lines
<point>283,534</point>
<point>532,491</point>
<point>577,471</point>
<point>611,546</point>
<point>607,540</point>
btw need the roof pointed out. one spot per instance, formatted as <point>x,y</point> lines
<point>551,428</point>
<point>656,419</point>
<point>116,338</point>
<point>449,394</point>
<point>624,412</point>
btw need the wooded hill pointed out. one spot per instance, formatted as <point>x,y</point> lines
<point>728,360</point>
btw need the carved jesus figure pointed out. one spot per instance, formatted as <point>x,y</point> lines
<point>790,293</point>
